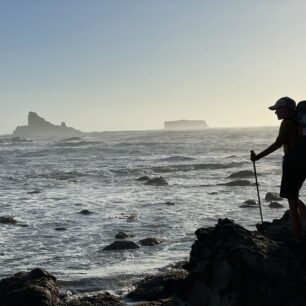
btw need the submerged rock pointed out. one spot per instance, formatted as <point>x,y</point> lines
<point>122,245</point>
<point>36,191</point>
<point>151,241</point>
<point>86,212</point>
<point>237,183</point>
<point>274,204</point>
<point>272,196</point>
<point>7,220</point>
<point>121,235</point>
<point>157,181</point>
<point>249,204</point>
<point>242,174</point>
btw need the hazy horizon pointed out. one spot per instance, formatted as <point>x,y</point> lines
<point>116,66</point>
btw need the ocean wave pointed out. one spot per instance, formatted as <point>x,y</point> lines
<point>195,167</point>
<point>59,175</point>
<point>76,143</point>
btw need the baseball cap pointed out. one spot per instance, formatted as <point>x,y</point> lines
<point>284,102</point>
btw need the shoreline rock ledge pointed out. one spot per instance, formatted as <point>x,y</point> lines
<point>38,126</point>
<point>228,266</point>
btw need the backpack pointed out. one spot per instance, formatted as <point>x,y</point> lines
<point>300,119</point>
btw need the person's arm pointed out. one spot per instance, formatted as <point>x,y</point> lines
<point>274,146</point>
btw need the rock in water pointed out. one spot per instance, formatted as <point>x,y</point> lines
<point>232,266</point>
<point>7,220</point>
<point>122,245</point>
<point>242,174</point>
<point>36,288</point>
<point>157,181</point>
<point>121,235</point>
<point>274,204</point>
<point>272,196</point>
<point>249,204</point>
<point>237,183</point>
<point>151,241</point>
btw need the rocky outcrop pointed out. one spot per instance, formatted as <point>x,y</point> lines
<point>122,245</point>
<point>38,126</point>
<point>157,181</point>
<point>231,266</point>
<point>40,288</point>
<point>36,288</point>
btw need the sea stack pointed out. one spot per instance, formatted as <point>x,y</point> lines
<point>38,126</point>
<point>185,125</point>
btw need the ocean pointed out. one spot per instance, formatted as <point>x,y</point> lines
<point>46,183</point>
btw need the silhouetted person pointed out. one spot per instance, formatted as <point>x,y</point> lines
<point>294,173</point>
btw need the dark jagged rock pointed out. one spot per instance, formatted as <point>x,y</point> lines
<point>36,288</point>
<point>242,174</point>
<point>157,181</point>
<point>143,178</point>
<point>232,266</point>
<point>275,204</point>
<point>34,192</point>
<point>40,288</point>
<point>272,196</point>
<point>122,245</point>
<point>38,126</point>
<point>60,229</point>
<point>157,287</point>
<point>150,241</point>
<point>7,220</point>
<point>169,203</point>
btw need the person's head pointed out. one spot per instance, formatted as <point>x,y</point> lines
<point>284,107</point>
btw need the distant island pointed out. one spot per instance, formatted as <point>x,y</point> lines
<point>38,126</point>
<point>185,125</point>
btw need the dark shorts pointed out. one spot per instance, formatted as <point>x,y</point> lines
<point>294,175</point>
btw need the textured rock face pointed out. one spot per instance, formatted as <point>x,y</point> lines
<point>231,266</point>
<point>38,126</point>
<point>37,288</point>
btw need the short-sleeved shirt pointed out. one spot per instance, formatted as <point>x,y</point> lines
<point>287,134</point>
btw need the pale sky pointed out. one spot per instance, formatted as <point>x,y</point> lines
<point>132,64</point>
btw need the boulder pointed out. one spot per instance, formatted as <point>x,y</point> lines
<point>36,191</point>
<point>249,204</point>
<point>156,287</point>
<point>272,196</point>
<point>232,266</point>
<point>242,174</point>
<point>121,235</point>
<point>36,288</point>
<point>275,204</point>
<point>157,181</point>
<point>122,245</point>
<point>169,203</point>
<point>151,241</point>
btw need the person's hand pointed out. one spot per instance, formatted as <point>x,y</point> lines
<point>253,156</point>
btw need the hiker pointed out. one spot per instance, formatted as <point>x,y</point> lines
<point>294,169</point>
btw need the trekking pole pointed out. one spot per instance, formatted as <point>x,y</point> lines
<point>255,173</point>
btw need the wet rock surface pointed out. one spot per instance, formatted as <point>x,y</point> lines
<point>249,204</point>
<point>272,196</point>
<point>242,174</point>
<point>275,204</point>
<point>150,241</point>
<point>237,183</point>
<point>40,288</point>
<point>157,181</point>
<point>7,220</point>
<point>85,212</point>
<point>122,245</point>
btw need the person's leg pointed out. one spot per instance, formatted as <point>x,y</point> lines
<point>295,221</point>
<point>302,209</point>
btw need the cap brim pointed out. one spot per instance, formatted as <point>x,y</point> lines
<point>272,107</point>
